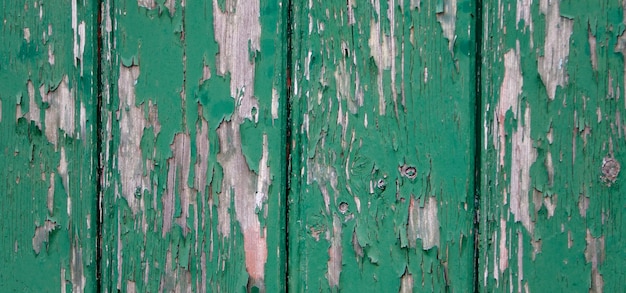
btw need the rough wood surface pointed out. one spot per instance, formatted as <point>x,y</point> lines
<point>48,159</point>
<point>552,208</point>
<point>382,186</point>
<point>390,109</point>
<point>193,181</point>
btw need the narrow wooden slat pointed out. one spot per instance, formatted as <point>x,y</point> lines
<point>552,211</point>
<point>48,160</point>
<point>382,186</point>
<point>194,179</point>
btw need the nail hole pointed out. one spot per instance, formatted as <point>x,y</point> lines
<point>408,171</point>
<point>610,170</point>
<point>381,184</point>
<point>343,207</point>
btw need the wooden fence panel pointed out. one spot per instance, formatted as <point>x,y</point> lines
<point>552,212</point>
<point>48,139</point>
<point>382,178</point>
<point>194,123</point>
<point>394,119</point>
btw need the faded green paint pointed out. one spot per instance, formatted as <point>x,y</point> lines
<point>48,104</point>
<point>193,183</point>
<point>382,187</point>
<point>552,204</point>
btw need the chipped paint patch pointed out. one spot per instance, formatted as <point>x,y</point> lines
<point>523,13</point>
<point>592,47</point>
<point>42,234</point>
<point>149,4</point>
<point>510,89</point>
<point>27,34</point>
<point>201,167</point>
<point>60,113</point>
<point>324,174</point>
<point>236,48</point>
<point>79,37</point>
<point>583,205</point>
<point>131,287</point>
<point>274,103</point>
<point>51,59</point>
<point>503,264</point>
<point>132,122</point>
<point>83,122</point>
<point>423,223</point>
<point>263,180</point>
<point>381,51</point>
<point>33,108</point>
<point>520,260</point>
<point>556,47</point>
<point>63,172</point>
<point>239,183</point>
<point>344,89</point>
<point>446,16</point>
<point>76,268</point>
<point>335,254</point>
<point>50,199</point>
<point>81,45</point>
<point>595,254</point>
<point>406,285</point>
<point>177,184</point>
<point>523,155</point>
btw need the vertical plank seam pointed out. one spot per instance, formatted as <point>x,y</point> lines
<point>287,168</point>
<point>99,141</point>
<point>478,133</point>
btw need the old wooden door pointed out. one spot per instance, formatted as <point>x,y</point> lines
<point>183,146</point>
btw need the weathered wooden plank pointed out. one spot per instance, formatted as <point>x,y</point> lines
<point>48,104</point>
<point>194,180</point>
<point>382,186</point>
<point>552,193</point>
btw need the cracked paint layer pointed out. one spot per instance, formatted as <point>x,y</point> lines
<point>554,69</point>
<point>48,114</point>
<point>376,204</point>
<point>192,173</point>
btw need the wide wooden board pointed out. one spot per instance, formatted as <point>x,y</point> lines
<point>382,177</point>
<point>193,181</point>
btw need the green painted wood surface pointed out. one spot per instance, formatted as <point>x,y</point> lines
<point>48,117</point>
<point>194,124</point>
<point>385,120</point>
<point>382,186</point>
<point>552,201</point>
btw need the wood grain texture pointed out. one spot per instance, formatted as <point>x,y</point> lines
<point>194,179</point>
<point>552,211</point>
<point>48,104</point>
<point>382,186</point>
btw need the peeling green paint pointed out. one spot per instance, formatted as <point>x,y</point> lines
<point>382,153</point>
<point>380,132</point>
<point>550,221</point>
<point>47,150</point>
<point>202,207</point>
